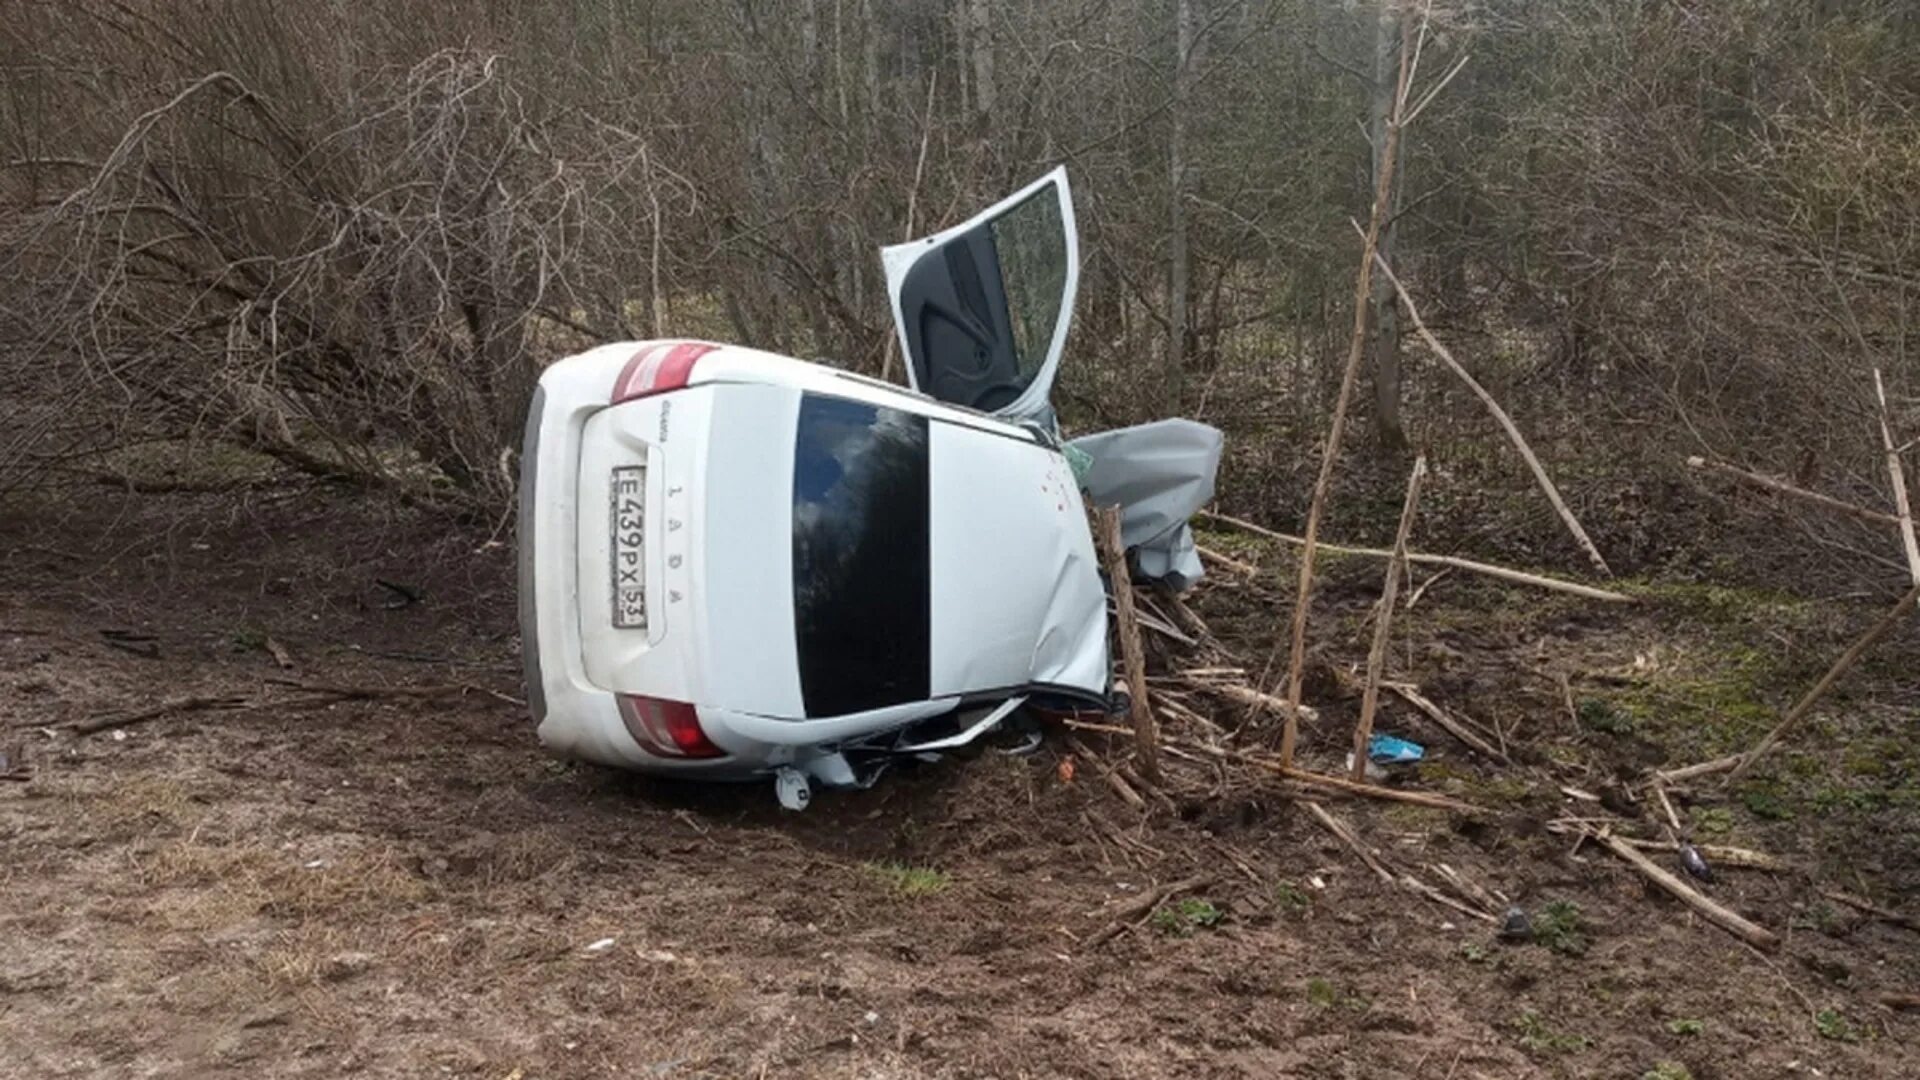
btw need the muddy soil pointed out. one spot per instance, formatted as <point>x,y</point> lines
<point>406,886</point>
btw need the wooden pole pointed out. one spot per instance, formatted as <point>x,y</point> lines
<point>1781,487</point>
<point>1518,577</point>
<point>1506,422</point>
<point>1146,736</point>
<point>1356,349</point>
<point>1454,726</point>
<point>1840,667</point>
<point>1728,920</point>
<point>1898,475</point>
<point>1383,621</point>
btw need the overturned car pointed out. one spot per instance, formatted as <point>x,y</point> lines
<point>736,564</point>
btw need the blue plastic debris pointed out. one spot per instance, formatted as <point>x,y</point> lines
<point>1387,750</point>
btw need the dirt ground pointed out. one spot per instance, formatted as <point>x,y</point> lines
<point>406,886</point>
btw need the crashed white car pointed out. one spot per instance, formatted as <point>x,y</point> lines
<point>734,563</point>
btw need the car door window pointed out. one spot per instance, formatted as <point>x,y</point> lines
<point>1032,249</point>
<point>983,308</point>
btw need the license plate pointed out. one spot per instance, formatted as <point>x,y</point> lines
<point>629,517</point>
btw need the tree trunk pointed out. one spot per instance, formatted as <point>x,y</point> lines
<point>870,65</point>
<point>1178,285</point>
<point>1384,346</point>
<point>809,41</point>
<point>980,37</point>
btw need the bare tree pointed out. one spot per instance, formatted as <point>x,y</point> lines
<point>1177,264</point>
<point>1384,343</point>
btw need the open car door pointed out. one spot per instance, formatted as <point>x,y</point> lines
<point>983,307</point>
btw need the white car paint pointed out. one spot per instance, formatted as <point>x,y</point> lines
<point>1016,598</point>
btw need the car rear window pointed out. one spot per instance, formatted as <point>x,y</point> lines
<point>862,603</point>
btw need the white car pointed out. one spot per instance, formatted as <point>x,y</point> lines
<point>734,563</point>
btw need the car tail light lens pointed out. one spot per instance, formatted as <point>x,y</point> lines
<point>665,728</point>
<point>658,368</point>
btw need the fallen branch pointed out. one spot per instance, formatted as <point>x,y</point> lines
<point>1717,854</point>
<point>1339,829</point>
<point>1383,624</point>
<point>1374,791</point>
<point>1898,476</point>
<point>190,703</point>
<point>1145,738</point>
<point>307,694</point>
<point>1781,487</point>
<point>1137,909</point>
<point>1673,819</point>
<point>1506,422</point>
<point>1152,619</point>
<point>1704,768</point>
<point>1872,908</point>
<point>1185,616</point>
<point>1458,729</point>
<point>1840,667</point>
<point>1241,694</point>
<point>1228,561</point>
<point>1120,787</point>
<point>1519,577</point>
<point>1467,887</point>
<point>1408,881</point>
<point>1342,784</point>
<point>1378,865</point>
<point>1733,923</point>
<point>1414,597</point>
<point>322,692</point>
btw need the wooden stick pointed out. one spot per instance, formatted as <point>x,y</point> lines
<point>1872,908</point>
<point>1184,615</point>
<point>1089,725</point>
<point>1153,619</point>
<point>1740,927</point>
<point>190,703</point>
<point>1372,791</point>
<point>1519,577</point>
<point>1454,727</point>
<point>1414,598</point>
<point>1343,785</point>
<point>1339,829</point>
<point>1375,863</point>
<point>1717,854</point>
<point>1228,561</point>
<point>1142,906</point>
<point>1506,422</point>
<point>1704,768</point>
<point>1781,487</point>
<point>1383,623</point>
<point>1408,881</point>
<point>1120,787</point>
<point>1466,886</point>
<point>1356,350</point>
<point>1673,819</point>
<point>1840,667</point>
<point>1241,694</point>
<point>1146,739</point>
<point>1898,476</point>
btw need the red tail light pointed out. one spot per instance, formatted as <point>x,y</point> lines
<point>665,728</point>
<point>658,368</point>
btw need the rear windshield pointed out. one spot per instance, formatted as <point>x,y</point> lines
<point>861,597</point>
